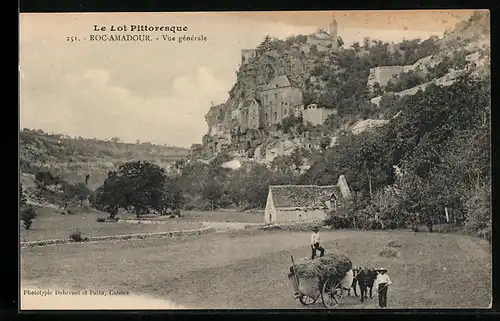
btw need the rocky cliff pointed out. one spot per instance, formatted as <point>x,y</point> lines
<point>332,78</point>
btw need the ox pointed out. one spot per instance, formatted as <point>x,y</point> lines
<point>366,278</point>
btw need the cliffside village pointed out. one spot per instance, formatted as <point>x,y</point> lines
<point>274,102</point>
<point>230,122</point>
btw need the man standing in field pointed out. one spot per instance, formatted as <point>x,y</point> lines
<point>383,282</point>
<point>315,244</point>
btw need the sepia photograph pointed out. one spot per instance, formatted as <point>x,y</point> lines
<point>323,160</point>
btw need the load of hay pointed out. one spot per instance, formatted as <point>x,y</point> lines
<point>332,264</point>
<point>311,273</point>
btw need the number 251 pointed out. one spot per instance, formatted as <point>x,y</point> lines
<point>71,39</point>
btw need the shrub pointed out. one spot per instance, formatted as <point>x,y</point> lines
<point>478,216</point>
<point>76,236</point>
<point>338,221</point>
<point>27,215</point>
<point>347,215</point>
<point>101,219</point>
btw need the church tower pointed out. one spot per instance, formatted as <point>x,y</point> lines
<point>333,34</point>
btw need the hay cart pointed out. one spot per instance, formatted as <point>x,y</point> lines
<point>325,283</point>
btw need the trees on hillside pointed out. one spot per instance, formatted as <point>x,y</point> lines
<point>27,211</point>
<point>405,81</point>
<point>292,123</point>
<point>74,192</point>
<point>441,142</point>
<point>265,45</point>
<point>45,178</point>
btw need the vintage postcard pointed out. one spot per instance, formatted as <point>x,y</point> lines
<point>255,160</point>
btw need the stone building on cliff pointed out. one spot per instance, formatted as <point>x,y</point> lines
<point>322,39</point>
<point>279,98</point>
<point>247,55</point>
<point>251,114</point>
<point>316,115</point>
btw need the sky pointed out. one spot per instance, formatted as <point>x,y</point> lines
<point>160,91</point>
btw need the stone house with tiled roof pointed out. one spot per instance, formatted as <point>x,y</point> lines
<point>292,203</point>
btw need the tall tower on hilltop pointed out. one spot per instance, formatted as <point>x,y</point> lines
<point>334,34</point>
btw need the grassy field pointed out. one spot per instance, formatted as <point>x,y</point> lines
<point>204,216</point>
<point>249,269</point>
<point>50,224</point>
<point>222,216</point>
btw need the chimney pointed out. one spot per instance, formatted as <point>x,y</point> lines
<point>344,188</point>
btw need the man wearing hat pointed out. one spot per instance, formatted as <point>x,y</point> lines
<point>315,244</point>
<point>383,282</point>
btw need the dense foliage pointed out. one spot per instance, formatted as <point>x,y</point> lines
<point>27,211</point>
<point>139,186</point>
<point>441,143</point>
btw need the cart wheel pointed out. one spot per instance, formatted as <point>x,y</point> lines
<point>331,293</point>
<point>307,300</point>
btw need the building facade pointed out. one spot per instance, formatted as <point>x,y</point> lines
<point>278,99</point>
<point>247,55</point>
<point>251,114</point>
<point>324,40</point>
<point>316,115</point>
<point>292,203</point>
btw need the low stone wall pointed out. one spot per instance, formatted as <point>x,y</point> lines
<point>139,236</point>
<point>144,221</point>
<point>299,226</point>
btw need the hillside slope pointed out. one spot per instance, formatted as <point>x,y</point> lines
<point>73,158</point>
